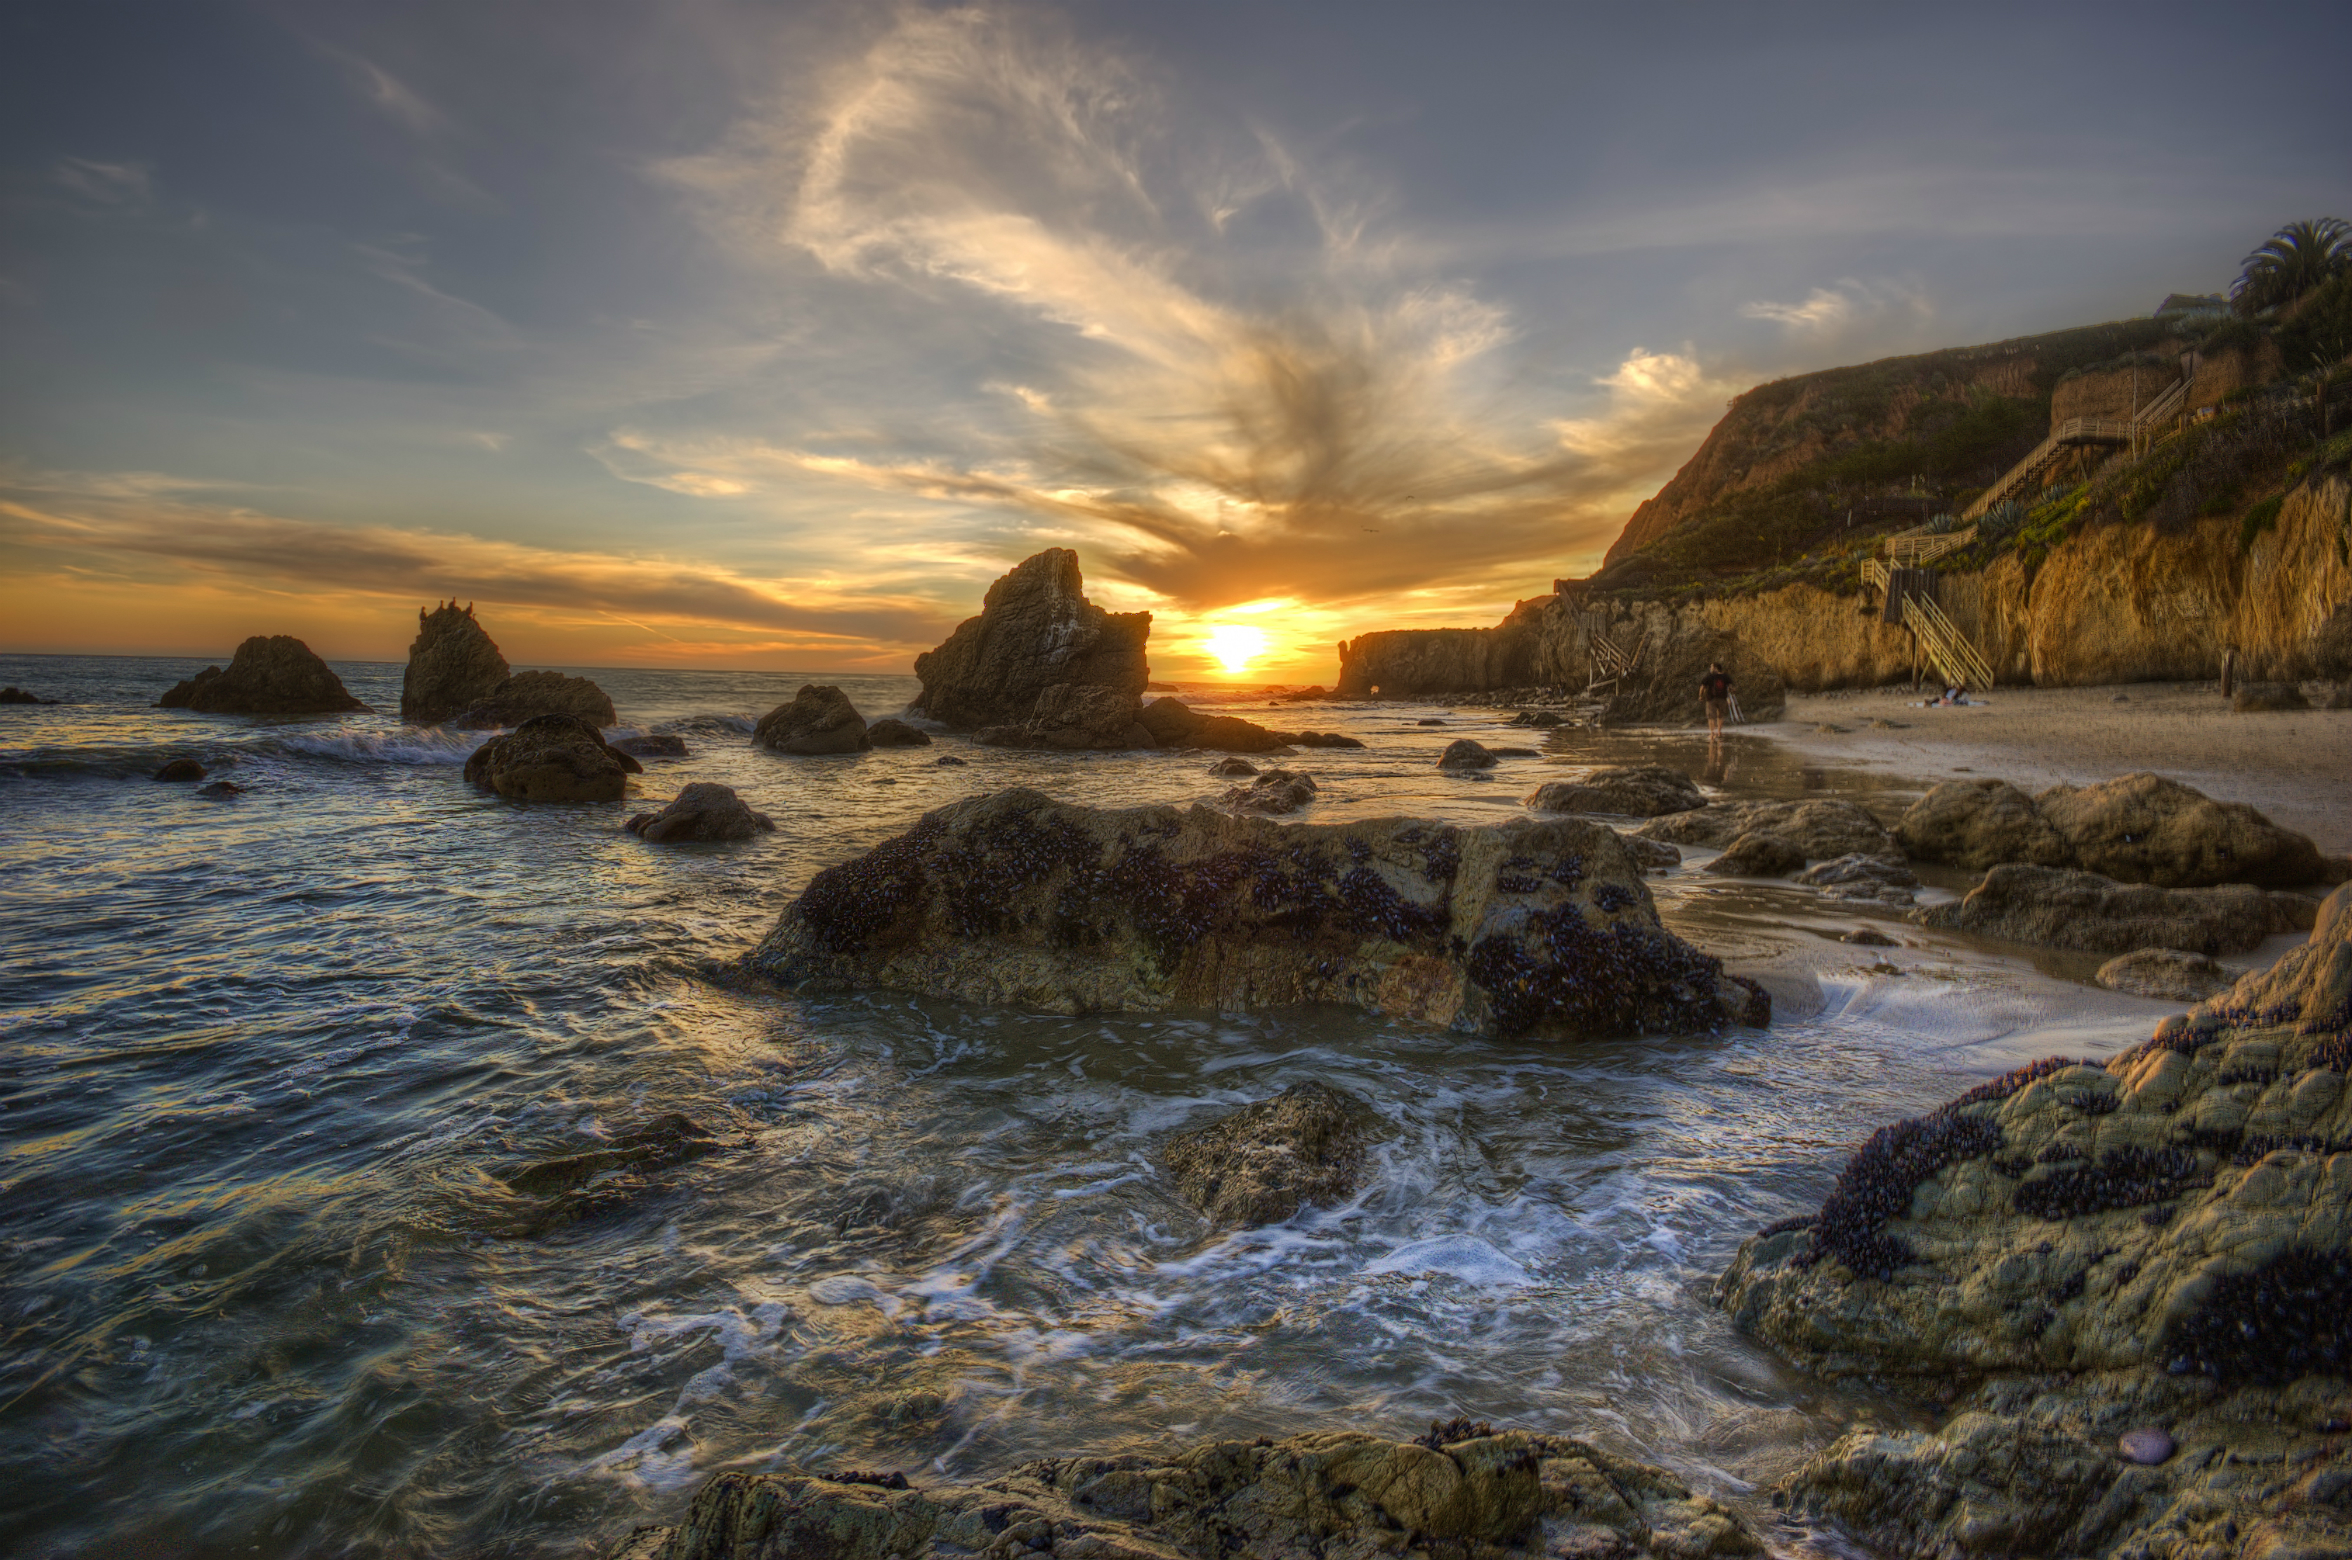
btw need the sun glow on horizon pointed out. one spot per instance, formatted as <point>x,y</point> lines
<point>1235,645</point>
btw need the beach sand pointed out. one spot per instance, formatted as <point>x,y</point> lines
<point>2296,767</point>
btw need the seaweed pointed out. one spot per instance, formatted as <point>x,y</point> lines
<point>2289,1318</point>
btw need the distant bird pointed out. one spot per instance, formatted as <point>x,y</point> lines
<point>1371,530</point>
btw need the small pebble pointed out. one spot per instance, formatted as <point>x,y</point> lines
<point>949,759</point>
<point>2121,698</point>
<point>2146,1447</point>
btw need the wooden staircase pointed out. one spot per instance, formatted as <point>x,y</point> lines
<point>2074,434</point>
<point>1611,664</point>
<point>1946,647</point>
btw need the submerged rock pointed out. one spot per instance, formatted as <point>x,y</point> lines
<point>1530,926</point>
<point>703,811</point>
<point>453,663</point>
<point>1872,878</point>
<point>655,746</point>
<point>1462,753</point>
<point>1175,724</point>
<point>1230,767</point>
<point>2092,914</point>
<point>1275,791</point>
<point>552,758</point>
<point>221,788</point>
<point>1823,828</point>
<point>819,719</point>
<point>2164,973</point>
<point>2162,1243</point>
<point>1639,791</point>
<point>527,695</point>
<point>273,674</point>
<point>180,771</point>
<point>1979,824</point>
<point>12,694</point>
<point>1264,1162</point>
<point>1036,630</point>
<point>1758,853</point>
<point>602,1180</point>
<point>1317,739</point>
<point>1339,1495</point>
<point>891,732</point>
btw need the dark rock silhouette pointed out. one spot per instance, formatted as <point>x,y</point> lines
<point>890,732</point>
<point>452,664</point>
<point>552,758</point>
<point>528,694</point>
<point>819,719</point>
<point>1073,716</point>
<point>12,694</point>
<point>702,811</point>
<point>652,746</point>
<point>180,771</point>
<point>1175,724</point>
<point>1264,1162</point>
<point>273,674</point>
<point>1036,630</point>
<point>1526,927</point>
<point>1462,753</point>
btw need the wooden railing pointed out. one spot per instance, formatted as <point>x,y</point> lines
<point>1909,549</point>
<point>2063,441</point>
<point>1611,664</point>
<point>1874,574</point>
<point>1953,654</point>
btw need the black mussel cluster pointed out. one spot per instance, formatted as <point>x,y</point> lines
<point>2119,1178</point>
<point>2289,1318</point>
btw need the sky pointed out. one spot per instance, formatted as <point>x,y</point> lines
<point>709,333</point>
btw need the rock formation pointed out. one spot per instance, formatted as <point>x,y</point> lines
<point>1531,926</point>
<point>1264,1162</point>
<point>2051,907</point>
<point>1072,717</point>
<point>1275,791</point>
<point>1870,879</point>
<point>1462,1490</point>
<point>12,694</point>
<point>1759,853</point>
<point>1823,829</point>
<point>1175,724</point>
<point>527,694</point>
<point>819,719</point>
<point>1638,791</point>
<point>180,771</point>
<point>609,1177</point>
<point>1464,754</point>
<point>2164,973</point>
<point>702,811</point>
<point>890,732</point>
<point>552,758</point>
<point>273,674</point>
<point>453,663</point>
<point>1036,630</point>
<point>1978,824</point>
<point>2134,1275</point>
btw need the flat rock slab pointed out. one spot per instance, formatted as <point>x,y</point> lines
<point>2049,908</point>
<point>1525,927</point>
<point>2165,973</point>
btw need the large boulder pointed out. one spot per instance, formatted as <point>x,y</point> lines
<point>273,674</point>
<point>1637,791</point>
<point>528,694</point>
<point>1072,717</point>
<point>819,719</point>
<point>1036,630</point>
<point>1823,829</point>
<point>1979,824</point>
<point>1531,926</point>
<point>702,811</point>
<point>1461,1490</point>
<point>452,664</point>
<point>2134,1275</point>
<point>2143,828</point>
<point>552,758</point>
<point>1175,724</point>
<point>1264,1162</point>
<point>2052,908</point>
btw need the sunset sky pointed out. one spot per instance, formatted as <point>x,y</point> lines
<point>710,334</point>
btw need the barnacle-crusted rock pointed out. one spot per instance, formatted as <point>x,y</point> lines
<point>2143,828</point>
<point>1462,753</point>
<point>2083,911</point>
<point>2164,973</point>
<point>1978,824</point>
<point>891,732</point>
<point>1264,1162</point>
<point>702,811</point>
<point>1175,724</point>
<point>1639,791</point>
<point>452,664</point>
<point>2163,1241</point>
<point>552,758</point>
<point>820,719</point>
<point>1522,927</point>
<point>271,674</point>
<point>1036,630</point>
<point>1275,791</point>
<point>528,694</point>
<point>1870,878</point>
<point>1340,1495</point>
<point>1822,829</point>
<point>1758,853</point>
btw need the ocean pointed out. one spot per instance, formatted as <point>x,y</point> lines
<point>267,1062</point>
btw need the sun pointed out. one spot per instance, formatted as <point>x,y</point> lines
<point>1235,645</point>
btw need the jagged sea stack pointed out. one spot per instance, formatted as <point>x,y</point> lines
<point>1036,632</point>
<point>271,674</point>
<point>452,663</point>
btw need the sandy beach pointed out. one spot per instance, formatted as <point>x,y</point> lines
<point>2296,767</point>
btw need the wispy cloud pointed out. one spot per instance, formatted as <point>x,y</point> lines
<point>108,183</point>
<point>1826,310</point>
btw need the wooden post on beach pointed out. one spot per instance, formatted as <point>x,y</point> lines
<point>2229,659</point>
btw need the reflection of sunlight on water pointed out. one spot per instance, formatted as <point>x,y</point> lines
<point>276,1056</point>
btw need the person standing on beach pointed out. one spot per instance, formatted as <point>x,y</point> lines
<point>1715,690</point>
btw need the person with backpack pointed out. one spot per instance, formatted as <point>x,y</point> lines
<point>1715,692</point>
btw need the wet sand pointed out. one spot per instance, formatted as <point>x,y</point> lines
<point>2296,767</point>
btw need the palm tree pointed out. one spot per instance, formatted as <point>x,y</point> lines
<point>2295,259</point>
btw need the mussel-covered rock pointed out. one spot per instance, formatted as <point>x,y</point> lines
<point>552,758</point>
<point>1526,927</point>
<point>1275,791</point>
<point>1264,1162</point>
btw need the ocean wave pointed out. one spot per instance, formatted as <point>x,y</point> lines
<point>409,745</point>
<point>712,725</point>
